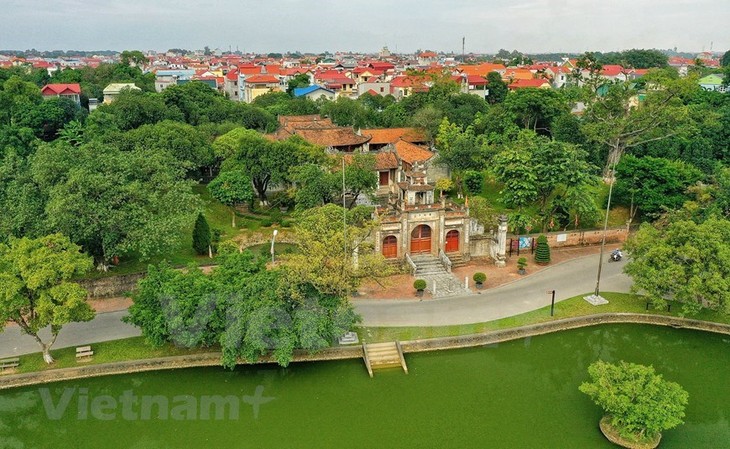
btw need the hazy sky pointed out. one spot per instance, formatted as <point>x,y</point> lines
<point>402,25</point>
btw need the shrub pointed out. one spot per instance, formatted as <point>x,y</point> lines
<point>266,222</point>
<point>201,235</point>
<point>521,263</point>
<point>479,278</point>
<point>285,223</point>
<point>474,181</point>
<point>419,284</point>
<point>542,252</point>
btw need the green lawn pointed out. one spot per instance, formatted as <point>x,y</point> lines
<point>573,307</point>
<point>110,351</point>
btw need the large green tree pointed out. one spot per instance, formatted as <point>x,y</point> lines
<point>335,250</point>
<point>682,260</point>
<point>114,202</point>
<point>36,289</point>
<point>232,187</point>
<point>265,161</point>
<point>653,185</point>
<point>625,118</point>
<point>639,403</point>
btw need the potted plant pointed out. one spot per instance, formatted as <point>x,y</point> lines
<point>420,286</point>
<point>479,279</point>
<point>521,264</point>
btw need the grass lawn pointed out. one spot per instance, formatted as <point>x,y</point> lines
<point>136,349</point>
<point>573,307</point>
<point>109,351</point>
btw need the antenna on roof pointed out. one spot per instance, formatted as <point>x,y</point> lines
<point>463,52</point>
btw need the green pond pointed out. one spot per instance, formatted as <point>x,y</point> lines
<point>520,394</point>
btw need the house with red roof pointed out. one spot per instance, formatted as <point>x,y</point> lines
<point>70,91</point>
<point>257,85</point>
<point>427,58</point>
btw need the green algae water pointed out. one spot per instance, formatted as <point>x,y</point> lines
<point>520,394</point>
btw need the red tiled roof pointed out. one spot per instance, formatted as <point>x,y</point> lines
<point>232,75</point>
<point>392,135</point>
<point>476,80</point>
<point>385,161</point>
<point>262,79</point>
<point>372,92</point>
<point>411,153</point>
<point>61,89</point>
<point>612,70</point>
<point>331,137</point>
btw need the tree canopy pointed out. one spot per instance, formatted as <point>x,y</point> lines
<point>36,290</point>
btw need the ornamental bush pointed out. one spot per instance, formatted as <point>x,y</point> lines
<point>521,263</point>
<point>201,235</point>
<point>542,251</point>
<point>479,278</point>
<point>419,284</point>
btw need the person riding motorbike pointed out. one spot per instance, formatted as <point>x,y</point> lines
<point>616,255</point>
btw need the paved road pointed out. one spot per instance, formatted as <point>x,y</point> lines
<point>568,279</point>
<point>104,327</point>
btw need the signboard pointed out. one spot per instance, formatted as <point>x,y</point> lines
<point>525,242</point>
<point>562,238</point>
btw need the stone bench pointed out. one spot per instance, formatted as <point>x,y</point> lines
<point>10,363</point>
<point>84,353</point>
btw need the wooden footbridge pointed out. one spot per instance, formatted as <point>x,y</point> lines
<point>383,355</point>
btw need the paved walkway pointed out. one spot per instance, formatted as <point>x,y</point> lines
<point>568,279</point>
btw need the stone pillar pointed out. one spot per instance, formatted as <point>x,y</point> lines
<point>502,242</point>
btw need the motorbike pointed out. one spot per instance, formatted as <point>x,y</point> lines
<point>616,256</point>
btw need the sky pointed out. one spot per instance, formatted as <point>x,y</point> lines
<point>530,26</point>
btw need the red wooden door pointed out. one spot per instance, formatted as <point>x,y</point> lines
<point>421,240</point>
<point>452,241</point>
<point>390,247</point>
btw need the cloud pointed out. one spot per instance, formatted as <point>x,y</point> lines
<point>527,25</point>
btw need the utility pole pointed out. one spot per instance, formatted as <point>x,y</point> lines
<point>463,50</point>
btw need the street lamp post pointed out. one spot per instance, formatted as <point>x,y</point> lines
<point>612,180</point>
<point>273,238</point>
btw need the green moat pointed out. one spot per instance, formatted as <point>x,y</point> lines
<point>520,394</point>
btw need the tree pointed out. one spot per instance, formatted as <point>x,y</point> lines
<point>186,143</point>
<point>360,177</point>
<point>178,307</point>
<point>47,118</point>
<point>316,186</point>
<point>263,161</point>
<point>682,260</point>
<point>17,95</point>
<point>299,80</point>
<point>497,88</point>
<point>639,403</point>
<point>542,251</point>
<point>653,185</point>
<point>249,310</point>
<point>36,289</point>
<point>460,150</point>
<point>725,61</point>
<point>335,252</point>
<point>474,181</point>
<point>114,202</point>
<point>536,169</point>
<point>231,188</point>
<point>535,109</point>
<point>133,108</point>
<point>201,236</point>
<point>617,123</point>
<point>132,57</point>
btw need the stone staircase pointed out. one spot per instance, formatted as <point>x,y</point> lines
<point>431,270</point>
<point>383,355</point>
<point>457,260</point>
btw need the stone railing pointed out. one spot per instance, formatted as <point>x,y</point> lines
<point>445,260</point>
<point>411,264</point>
